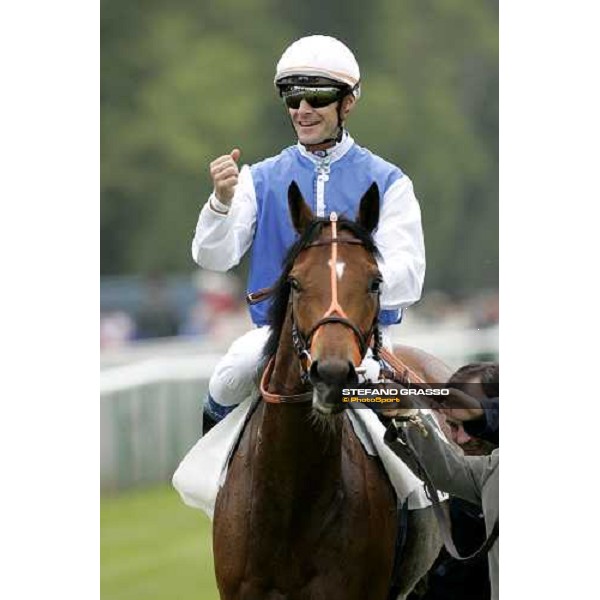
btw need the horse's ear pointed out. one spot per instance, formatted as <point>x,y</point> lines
<point>300,212</point>
<point>368,213</point>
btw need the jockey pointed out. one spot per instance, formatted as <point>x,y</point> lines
<point>318,80</point>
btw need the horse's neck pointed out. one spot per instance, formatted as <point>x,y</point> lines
<point>296,448</point>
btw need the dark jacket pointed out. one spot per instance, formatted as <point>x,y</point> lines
<point>451,579</point>
<point>488,427</point>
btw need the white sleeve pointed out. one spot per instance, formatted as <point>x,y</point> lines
<point>221,240</point>
<point>399,238</point>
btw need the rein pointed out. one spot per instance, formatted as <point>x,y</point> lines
<point>279,398</point>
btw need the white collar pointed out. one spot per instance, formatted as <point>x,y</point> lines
<point>334,153</point>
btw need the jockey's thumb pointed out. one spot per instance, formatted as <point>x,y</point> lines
<point>235,154</point>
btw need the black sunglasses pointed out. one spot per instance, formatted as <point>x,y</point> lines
<point>317,97</point>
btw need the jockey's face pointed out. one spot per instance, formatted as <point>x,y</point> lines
<point>314,125</point>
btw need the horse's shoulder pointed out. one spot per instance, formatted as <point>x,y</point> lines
<point>433,369</point>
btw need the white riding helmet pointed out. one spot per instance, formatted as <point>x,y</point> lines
<point>316,57</point>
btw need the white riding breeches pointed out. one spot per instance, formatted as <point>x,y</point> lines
<point>236,375</point>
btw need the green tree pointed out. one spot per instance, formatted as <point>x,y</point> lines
<point>183,82</point>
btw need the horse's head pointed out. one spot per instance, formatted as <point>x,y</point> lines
<point>334,295</point>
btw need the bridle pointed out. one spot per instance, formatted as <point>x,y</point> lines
<point>334,314</point>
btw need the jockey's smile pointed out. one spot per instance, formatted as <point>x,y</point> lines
<point>314,125</point>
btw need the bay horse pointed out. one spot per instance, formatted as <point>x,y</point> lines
<point>305,513</point>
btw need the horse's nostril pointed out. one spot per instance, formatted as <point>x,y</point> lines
<point>314,372</point>
<point>333,371</point>
<point>352,374</point>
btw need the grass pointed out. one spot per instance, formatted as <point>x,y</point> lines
<point>153,547</point>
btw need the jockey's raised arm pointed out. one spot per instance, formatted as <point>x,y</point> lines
<point>224,233</point>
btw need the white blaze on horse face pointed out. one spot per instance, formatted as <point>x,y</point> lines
<point>339,268</point>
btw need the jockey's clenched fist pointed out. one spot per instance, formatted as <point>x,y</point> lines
<point>224,172</point>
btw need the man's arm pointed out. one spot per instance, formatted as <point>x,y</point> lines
<point>223,236</point>
<point>399,238</point>
<point>459,475</point>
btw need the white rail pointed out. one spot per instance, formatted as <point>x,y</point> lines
<point>151,398</point>
<point>157,370</point>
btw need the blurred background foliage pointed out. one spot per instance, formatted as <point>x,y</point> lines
<point>185,81</point>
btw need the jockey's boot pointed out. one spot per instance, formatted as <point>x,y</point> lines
<point>208,422</point>
<point>212,413</point>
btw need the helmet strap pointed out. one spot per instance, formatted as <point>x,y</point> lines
<point>325,144</point>
<point>339,116</point>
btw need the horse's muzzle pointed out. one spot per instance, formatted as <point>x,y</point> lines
<point>328,378</point>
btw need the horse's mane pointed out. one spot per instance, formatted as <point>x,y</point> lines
<point>281,289</point>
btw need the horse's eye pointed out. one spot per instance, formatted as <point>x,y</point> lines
<point>375,286</point>
<point>295,285</point>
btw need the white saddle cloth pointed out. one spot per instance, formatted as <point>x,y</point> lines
<point>203,470</point>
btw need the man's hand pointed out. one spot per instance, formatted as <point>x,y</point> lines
<point>399,412</point>
<point>224,172</point>
<point>464,407</point>
<point>405,408</point>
